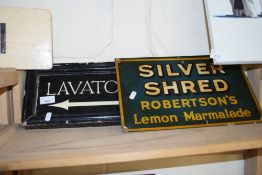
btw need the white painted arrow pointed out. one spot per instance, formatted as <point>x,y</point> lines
<point>66,104</point>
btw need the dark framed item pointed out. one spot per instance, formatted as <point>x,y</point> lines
<point>183,92</point>
<point>71,95</point>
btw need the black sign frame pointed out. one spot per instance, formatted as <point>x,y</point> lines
<point>36,113</point>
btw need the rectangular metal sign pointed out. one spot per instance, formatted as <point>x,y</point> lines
<point>71,95</point>
<point>169,93</point>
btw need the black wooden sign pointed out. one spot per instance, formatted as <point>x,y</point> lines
<point>71,95</point>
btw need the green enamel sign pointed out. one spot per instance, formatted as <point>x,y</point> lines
<point>168,93</point>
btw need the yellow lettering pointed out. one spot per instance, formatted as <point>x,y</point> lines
<point>151,88</point>
<point>222,87</point>
<point>155,104</point>
<point>169,71</point>
<point>212,101</point>
<point>166,104</point>
<point>155,119</point>
<point>145,120</point>
<point>172,87</point>
<point>221,115</point>
<point>186,71</point>
<point>198,116</point>
<point>165,119</point>
<point>159,70</point>
<point>145,105</point>
<point>202,69</point>
<point>145,71</point>
<point>233,100</point>
<point>173,118</point>
<point>193,100</point>
<point>189,116</point>
<point>212,115</point>
<point>188,85</point>
<point>185,103</point>
<point>202,102</point>
<point>217,68</point>
<point>222,101</point>
<point>176,104</point>
<point>204,86</point>
<point>136,121</point>
<point>247,113</point>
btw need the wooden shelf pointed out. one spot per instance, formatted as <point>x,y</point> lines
<point>32,149</point>
<point>105,147</point>
<point>2,127</point>
<point>8,77</point>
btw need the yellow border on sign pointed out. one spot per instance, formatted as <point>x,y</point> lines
<point>194,126</point>
<point>119,60</point>
<point>125,129</point>
<point>119,93</point>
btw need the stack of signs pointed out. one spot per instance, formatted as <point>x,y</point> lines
<point>171,93</point>
<point>71,95</point>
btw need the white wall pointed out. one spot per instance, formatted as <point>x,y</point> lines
<point>101,30</point>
